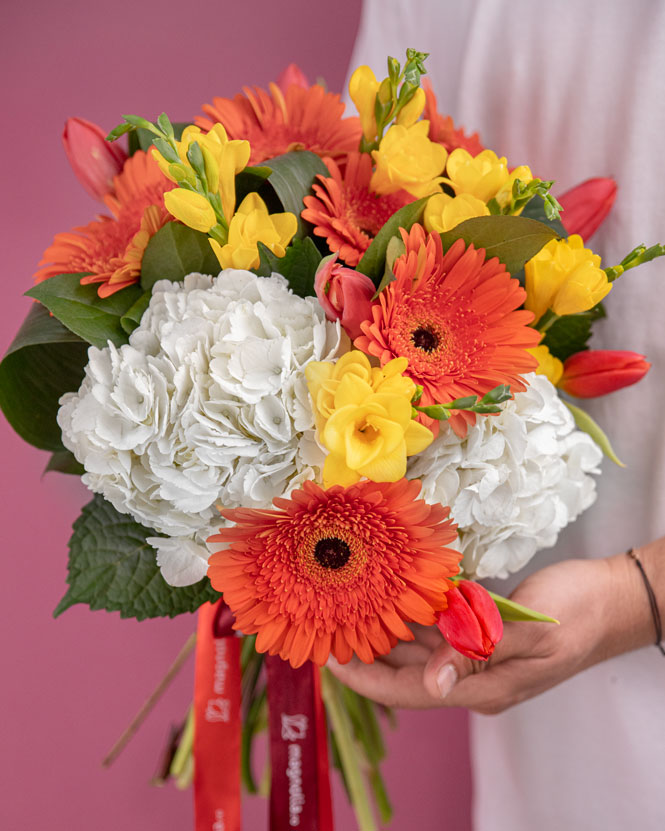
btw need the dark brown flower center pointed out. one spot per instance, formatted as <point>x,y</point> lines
<point>425,339</point>
<point>331,552</point>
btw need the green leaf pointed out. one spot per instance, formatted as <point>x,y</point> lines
<point>132,317</point>
<point>141,139</point>
<point>112,567</point>
<point>570,334</point>
<point>63,461</point>
<point>513,239</point>
<point>249,180</point>
<point>394,250</point>
<point>175,251</point>
<point>373,260</point>
<point>584,422</point>
<point>93,318</point>
<point>514,611</point>
<point>535,209</point>
<point>292,176</point>
<point>44,361</point>
<point>298,265</point>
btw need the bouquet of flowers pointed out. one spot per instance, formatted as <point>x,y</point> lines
<point>315,371</point>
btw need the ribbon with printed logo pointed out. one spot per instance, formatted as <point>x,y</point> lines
<point>300,788</point>
<point>217,721</point>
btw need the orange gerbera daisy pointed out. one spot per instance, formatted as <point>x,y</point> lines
<point>109,250</point>
<point>346,212</point>
<point>277,122</point>
<point>337,570</point>
<point>442,128</point>
<point>456,318</point>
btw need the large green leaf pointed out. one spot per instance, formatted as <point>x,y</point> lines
<point>292,176</point>
<point>298,265</point>
<point>513,239</point>
<point>570,334</point>
<point>44,361</point>
<point>535,209</point>
<point>174,252</point>
<point>63,461</point>
<point>583,421</point>
<point>94,319</point>
<point>112,567</point>
<point>250,179</point>
<point>373,261</point>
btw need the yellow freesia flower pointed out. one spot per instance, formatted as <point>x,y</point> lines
<point>363,88</point>
<point>364,419</point>
<point>190,208</point>
<point>565,277</point>
<point>548,364</point>
<point>250,225</point>
<point>444,212</point>
<point>408,160</point>
<point>411,112</point>
<point>222,159</point>
<point>484,176</point>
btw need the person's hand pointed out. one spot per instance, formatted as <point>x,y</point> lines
<point>601,614</point>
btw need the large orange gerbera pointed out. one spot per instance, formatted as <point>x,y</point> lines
<point>337,570</point>
<point>346,212</point>
<point>110,249</point>
<point>455,317</point>
<point>277,122</point>
<point>442,129</point>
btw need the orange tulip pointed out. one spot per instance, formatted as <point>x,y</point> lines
<point>94,160</point>
<point>471,623</point>
<point>345,294</point>
<point>601,371</point>
<point>586,206</point>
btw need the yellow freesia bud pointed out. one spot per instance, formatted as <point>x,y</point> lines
<point>408,160</point>
<point>548,364</point>
<point>250,225</point>
<point>364,419</point>
<point>363,88</point>
<point>565,277</point>
<point>482,176</point>
<point>444,212</point>
<point>411,112</point>
<point>191,209</point>
<point>504,194</point>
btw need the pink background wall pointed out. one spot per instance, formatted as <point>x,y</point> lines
<point>71,685</point>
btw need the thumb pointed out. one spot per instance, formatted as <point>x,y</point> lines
<point>445,668</point>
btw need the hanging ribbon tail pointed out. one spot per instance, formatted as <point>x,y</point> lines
<point>300,788</point>
<point>217,721</point>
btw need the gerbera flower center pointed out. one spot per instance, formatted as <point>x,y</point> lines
<point>424,338</point>
<point>331,552</point>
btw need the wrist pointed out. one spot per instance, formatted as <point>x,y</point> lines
<point>630,623</point>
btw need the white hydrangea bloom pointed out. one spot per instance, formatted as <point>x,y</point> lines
<point>514,482</point>
<point>207,405</point>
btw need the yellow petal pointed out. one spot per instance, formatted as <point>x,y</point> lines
<point>389,468</point>
<point>336,472</point>
<point>417,438</point>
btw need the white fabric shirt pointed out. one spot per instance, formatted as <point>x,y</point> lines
<point>574,90</point>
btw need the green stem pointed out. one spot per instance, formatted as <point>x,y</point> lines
<point>341,724</point>
<point>184,751</point>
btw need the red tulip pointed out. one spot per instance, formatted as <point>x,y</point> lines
<point>471,623</point>
<point>293,74</point>
<point>345,294</point>
<point>94,160</point>
<point>586,206</point>
<point>600,371</point>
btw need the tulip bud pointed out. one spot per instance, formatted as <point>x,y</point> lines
<point>292,76</point>
<point>472,623</point>
<point>94,160</point>
<point>345,294</point>
<point>601,371</point>
<point>586,206</point>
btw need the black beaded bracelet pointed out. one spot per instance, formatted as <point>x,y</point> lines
<point>652,600</point>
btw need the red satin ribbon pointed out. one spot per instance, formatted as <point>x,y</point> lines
<point>300,789</point>
<point>217,721</point>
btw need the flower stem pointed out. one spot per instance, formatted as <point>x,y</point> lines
<point>342,728</point>
<point>150,702</point>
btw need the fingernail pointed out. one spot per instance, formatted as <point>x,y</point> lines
<point>332,662</point>
<point>446,678</point>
